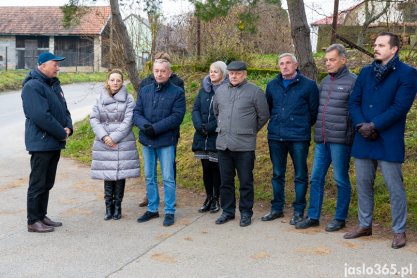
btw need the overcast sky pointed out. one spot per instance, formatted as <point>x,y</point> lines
<point>315,9</point>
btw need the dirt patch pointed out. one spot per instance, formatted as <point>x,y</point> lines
<point>163,236</point>
<point>322,251</point>
<point>348,244</point>
<point>260,255</point>
<point>188,238</point>
<point>163,258</point>
<point>14,184</point>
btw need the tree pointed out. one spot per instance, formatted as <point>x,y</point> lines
<point>371,15</point>
<point>300,33</point>
<point>129,53</point>
<point>72,11</point>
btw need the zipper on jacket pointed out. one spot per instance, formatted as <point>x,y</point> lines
<point>325,108</point>
<point>208,120</point>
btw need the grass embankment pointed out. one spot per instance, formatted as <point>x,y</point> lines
<point>12,80</point>
<point>190,175</point>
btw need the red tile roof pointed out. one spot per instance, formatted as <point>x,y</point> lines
<point>340,17</point>
<point>48,21</point>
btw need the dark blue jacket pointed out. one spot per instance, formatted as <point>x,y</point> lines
<point>293,109</point>
<point>386,104</point>
<point>150,79</point>
<point>203,114</point>
<point>46,113</point>
<point>163,107</point>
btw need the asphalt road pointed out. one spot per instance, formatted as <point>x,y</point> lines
<point>88,246</point>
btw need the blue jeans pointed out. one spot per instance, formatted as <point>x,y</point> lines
<point>339,156</point>
<point>278,151</point>
<point>166,156</point>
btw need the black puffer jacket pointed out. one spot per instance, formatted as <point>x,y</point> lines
<point>333,122</point>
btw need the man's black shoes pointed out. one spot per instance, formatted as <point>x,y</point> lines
<point>245,220</point>
<point>335,225</point>
<point>148,216</point>
<point>224,218</point>
<point>307,223</point>
<point>272,216</point>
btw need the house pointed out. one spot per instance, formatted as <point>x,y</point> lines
<point>25,32</point>
<point>140,35</point>
<point>399,18</point>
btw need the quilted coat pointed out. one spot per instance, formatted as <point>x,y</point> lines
<point>112,116</point>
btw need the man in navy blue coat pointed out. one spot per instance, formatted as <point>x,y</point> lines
<point>48,125</point>
<point>382,96</point>
<point>159,113</point>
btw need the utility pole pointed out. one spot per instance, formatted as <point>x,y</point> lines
<point>334,24</point>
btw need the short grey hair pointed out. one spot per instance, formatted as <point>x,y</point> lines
<point>221,66</point>
<point>341,50</point>
<point>163,61</point>
<point>292,56</point>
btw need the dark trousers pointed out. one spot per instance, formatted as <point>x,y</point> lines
<point>42,178</point>
<point>211,177</point>
<point>231,162</point>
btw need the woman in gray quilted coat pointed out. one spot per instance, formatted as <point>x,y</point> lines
<point>115,156</point>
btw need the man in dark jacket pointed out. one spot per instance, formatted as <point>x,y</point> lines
<point>382,96</point>
<point>150,79</point>
<point>48,126</point>
<point>158,113</point>
<point>293,102</point>
<point>333,135</point>
<point>241,111</point>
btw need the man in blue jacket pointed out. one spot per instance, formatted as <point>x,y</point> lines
<point>158,113</point>
<point>293,104</point>
<point>48,126</point>
<point>382,96</point>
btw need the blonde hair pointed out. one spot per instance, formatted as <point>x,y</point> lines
<point>221,66</point>
<point>106,84</point>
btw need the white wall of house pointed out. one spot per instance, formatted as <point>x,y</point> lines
<point>392,15</point>
<point>8,42</point>
<point>140,35</point>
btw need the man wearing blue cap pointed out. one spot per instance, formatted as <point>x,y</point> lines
<point>48,126</point>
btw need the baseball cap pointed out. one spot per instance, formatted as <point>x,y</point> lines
<point>48,56</point>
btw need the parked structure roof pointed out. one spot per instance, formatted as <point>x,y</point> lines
<point>47,20</point>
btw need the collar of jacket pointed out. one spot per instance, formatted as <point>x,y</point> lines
<point>160,86</point>
<point>295,80</point>
<point>238,85</point>
<point>39,75</point>
<point>342,71</point>
<point>208,86</point>
<point>119,96</point>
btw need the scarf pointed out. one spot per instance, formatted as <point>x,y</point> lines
<point>382,70</point>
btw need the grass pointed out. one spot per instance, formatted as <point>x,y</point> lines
<point>190,175</point>
<point>12,80</point>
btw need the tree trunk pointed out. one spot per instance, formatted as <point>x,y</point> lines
<point>300,33</point>
<point>129,53</point>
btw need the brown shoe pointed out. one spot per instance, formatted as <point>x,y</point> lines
<point>39,227</point>
<point>398,241</point>
<point>358,232</point>
<point>51,223</point>
<point>144,203</point>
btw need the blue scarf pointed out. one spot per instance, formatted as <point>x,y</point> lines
<point>382,70</point>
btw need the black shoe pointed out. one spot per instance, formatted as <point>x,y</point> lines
<point>335,225</point>
<point>215,205</point>
<point>169,219</point>
<point>148,216</point>
<point>245,220</point>
<point>206,205</point>
<point>272,215</point>
<point>296,218</point>
<point>224,218</point>
<point>307,223</point>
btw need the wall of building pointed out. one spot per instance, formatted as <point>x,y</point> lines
<point>8,59</point>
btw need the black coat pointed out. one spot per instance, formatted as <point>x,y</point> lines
<point>203,115</point>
